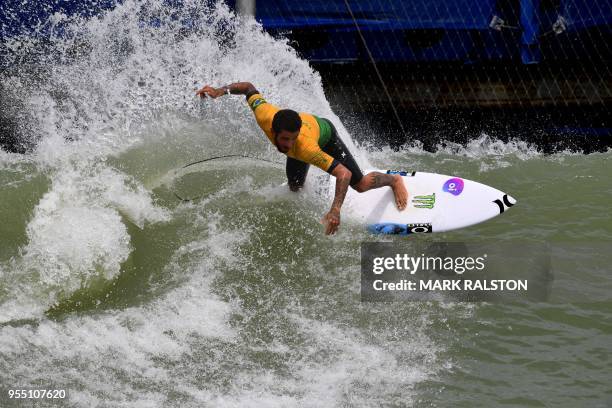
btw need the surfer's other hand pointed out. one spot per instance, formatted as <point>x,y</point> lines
<point>331,221</point>
<point>400,192</point>
<point>209,91</point>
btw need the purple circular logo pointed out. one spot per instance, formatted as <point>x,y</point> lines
<point>453,186</point>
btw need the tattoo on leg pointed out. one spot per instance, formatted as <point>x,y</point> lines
<point>380,180</point>
<point>374,182</point>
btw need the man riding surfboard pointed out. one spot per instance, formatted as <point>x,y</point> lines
<point>307,139</point>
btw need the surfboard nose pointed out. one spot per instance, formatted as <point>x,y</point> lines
<point>505,202</point>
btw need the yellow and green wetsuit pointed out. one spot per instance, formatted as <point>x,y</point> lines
<point>317,144</point>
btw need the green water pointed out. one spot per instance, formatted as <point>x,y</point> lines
<point>293,331</point>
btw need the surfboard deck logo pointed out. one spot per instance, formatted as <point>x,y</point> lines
<point>424,201</point>
<point>504,203</point>
<point>402,173</point>
<point>401,229</point>
<point>419,228</point>
<point>453,186</point>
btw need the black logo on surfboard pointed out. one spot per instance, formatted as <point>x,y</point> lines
<point>419,228</point>
<point>503,203</point>
<point>402,173</point>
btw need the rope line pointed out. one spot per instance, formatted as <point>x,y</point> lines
<point>244,156</point>
<point>380,78</point>
<point>231,155</point>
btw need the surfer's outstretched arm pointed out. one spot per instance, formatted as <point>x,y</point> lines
<point>332,218</point>
<point>237,88</point>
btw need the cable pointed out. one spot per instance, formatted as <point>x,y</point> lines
<point>216,158</point>
<point>231,155</point>
<point>380,78</point>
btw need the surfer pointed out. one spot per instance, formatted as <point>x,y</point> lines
<point>308,139</point>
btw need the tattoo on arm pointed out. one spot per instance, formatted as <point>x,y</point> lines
<point>240,88</point>
<point>342,185</point>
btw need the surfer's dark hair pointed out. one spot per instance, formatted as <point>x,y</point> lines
<point>286,119</point>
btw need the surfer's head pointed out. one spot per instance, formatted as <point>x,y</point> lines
<point>286,127</point>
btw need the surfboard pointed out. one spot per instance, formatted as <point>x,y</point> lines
<point>436,203</point>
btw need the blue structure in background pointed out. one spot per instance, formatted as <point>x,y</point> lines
<point>395,31</point>
<point>441,30</point>
<point>530,52</point>
<point>466,31</point>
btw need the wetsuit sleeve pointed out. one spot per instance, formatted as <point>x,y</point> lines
<point>251,93</point>
<point>264,112</point>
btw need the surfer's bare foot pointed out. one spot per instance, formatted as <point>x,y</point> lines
<point>400,192</point>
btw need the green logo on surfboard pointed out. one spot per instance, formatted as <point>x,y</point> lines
<point>424,201</point>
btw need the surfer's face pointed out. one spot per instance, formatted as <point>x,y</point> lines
<point>285,140</point>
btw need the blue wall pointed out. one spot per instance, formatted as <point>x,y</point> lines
<point>442,30</point>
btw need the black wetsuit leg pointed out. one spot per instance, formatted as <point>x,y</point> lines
<point>338,150</point>
<point>296,172</point>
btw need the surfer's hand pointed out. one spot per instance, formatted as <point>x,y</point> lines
<point>331,221</point>
<point>211,92</point>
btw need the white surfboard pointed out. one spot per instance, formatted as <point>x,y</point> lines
<point>436,203</point>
